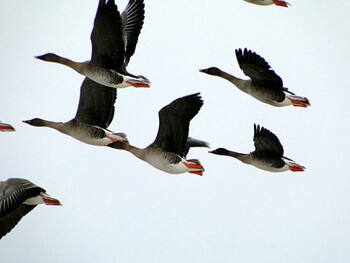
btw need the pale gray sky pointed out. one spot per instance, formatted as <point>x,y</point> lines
<point>119,209</point>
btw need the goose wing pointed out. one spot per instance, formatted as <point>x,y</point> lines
<point>260,72</point>
<point>14,191</point>
<point>108,48</point>
<point>192,142</point>
<point>132,22</point>
<point>10,220</point>
<point>174,121</point>
<point>96,104</point>
<point>266,143</point>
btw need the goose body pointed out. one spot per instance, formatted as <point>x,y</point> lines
<point>269,2</point>
<point>17,198</point>
<point>122,31</point>
<point>169,149</point>
<point>5,127</point>
<point>264,84</point>
<point>89,134</point>
<point>268,154</point>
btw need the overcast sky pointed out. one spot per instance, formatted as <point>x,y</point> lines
<point>117,208</point>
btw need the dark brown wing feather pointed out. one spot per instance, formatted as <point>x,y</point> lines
<point>132,21</point>
<point>261,74</point>
<point>266,143</point>
<point>96,104</point>
<point>192,142</point>
<point>10,220</point>
<point>108,48</point>
<point>174,121</point>
<point>14,191</point>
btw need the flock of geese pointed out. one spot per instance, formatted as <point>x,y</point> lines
<point>114,37</point>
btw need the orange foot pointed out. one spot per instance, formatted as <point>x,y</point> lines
<point>194,166</point>
<point>299,103</point>
<point>6,128</point>
<point>138,84</point>
<point>280,3</point>
<point>296,168</point>
<point>197,172</point>
<point>113,139</point>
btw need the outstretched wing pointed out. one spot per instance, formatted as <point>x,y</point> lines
<point>108,48</point>
<point>14,191</point>
<point>174,122</point>
<point>132,20</point>
<point>266,142</point>
<point>10,220</point>
<point>261,74</point>
<point>96,104</point>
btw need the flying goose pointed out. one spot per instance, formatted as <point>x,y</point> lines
<point>264,84</point>
<point>115,36</point>
<point>17,198</point>
<point>168,151</point>
<point>269,2</point>
<point>95,113</point>
<point>5,127</point>
<point>268,154</point>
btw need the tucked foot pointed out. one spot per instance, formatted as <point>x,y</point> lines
<point>298,103</point>
<point>198,173</point>
<point>118,137</point>
<point>195,167</point>
<point>281,3</point>
<point>138,83</point>
<point>4,127</point>
<point>296,168</point>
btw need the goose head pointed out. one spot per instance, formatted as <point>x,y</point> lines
<point>48,57</point>
<point>36,122</point>
<point>220,151</point>
<point>212,71</point>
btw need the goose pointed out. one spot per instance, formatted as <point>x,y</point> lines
<point>96,104</point>
<point>117,34</point>
<point>95,113</point>
<point>268,154</point>
<point>5,127</point>
<point>264,84</point>
<point>168,151</point>
<point>17,198</point>
<point>269,2</point>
